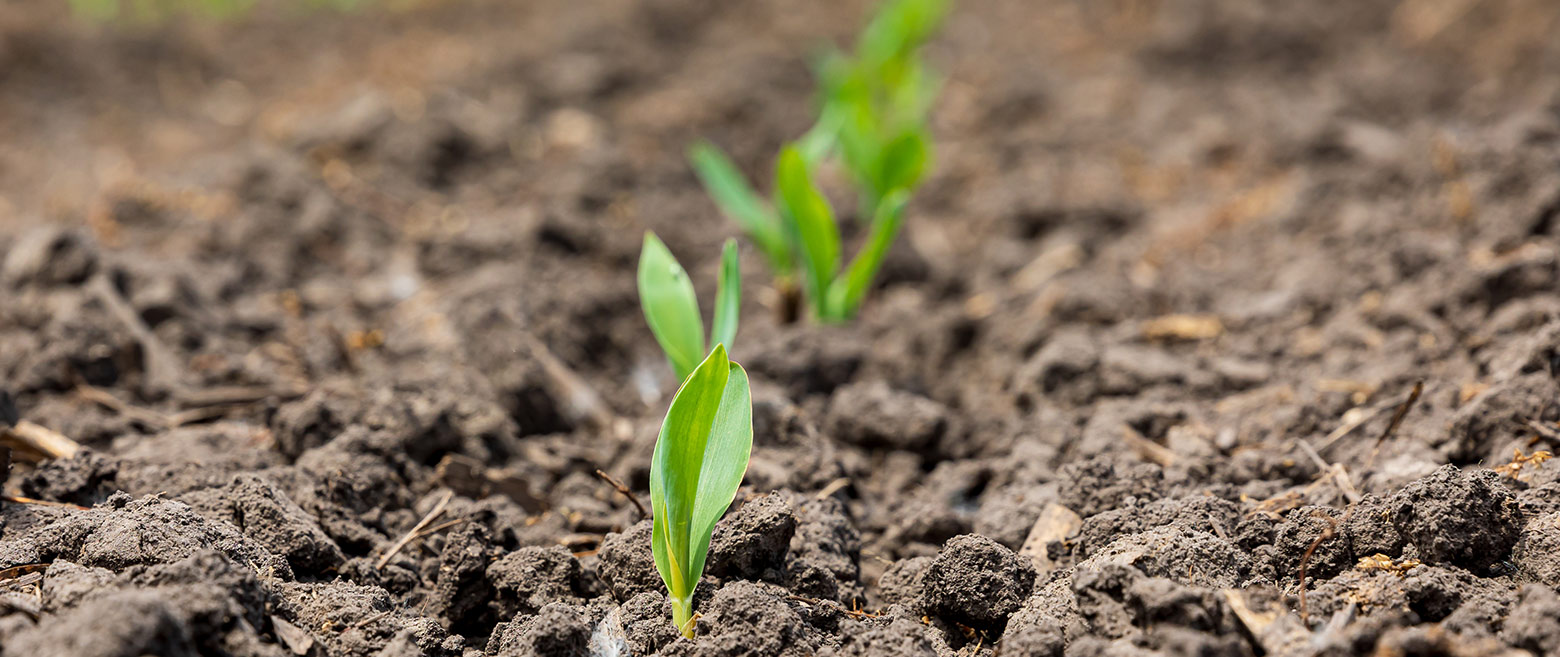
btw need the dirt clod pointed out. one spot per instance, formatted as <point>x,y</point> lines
<point>626,563</point>
<point>978,582</point>
<point>752,543</point>
<point>874,415</point>
<point>1468,519</point>
<point>900,636</point>
<point>558,629</point>
<point>1104,483</point>
<point>529,578</point>
<point>747,618</point>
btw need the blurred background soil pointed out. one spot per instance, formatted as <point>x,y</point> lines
<point>299,280</point>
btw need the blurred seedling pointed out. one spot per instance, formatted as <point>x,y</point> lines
<point>835,295</point>
<point>700,458</point>
<point>875,103</point>
<point>739,202</point>
<point>672,308</point>
<point>800,237</point>
<point>872,116</point>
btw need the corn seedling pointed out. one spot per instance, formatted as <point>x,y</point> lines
<point>835,295</point>
<point>875,104</point>
<point>672,309</point>
<point>873,117</point>
<point>700,458</point>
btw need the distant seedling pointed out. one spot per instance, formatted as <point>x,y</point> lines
<point>873,118</point>
<point>835,295</point>
<point>875,103</point>
<point>700,458</point>
<point>672,309</point>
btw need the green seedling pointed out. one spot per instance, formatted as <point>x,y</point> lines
<point>875,103</point>
<point>700,459</point>
<point>835,295</point>
<point>737,200</point>
<point>672,309</point>
<point>873,117</point>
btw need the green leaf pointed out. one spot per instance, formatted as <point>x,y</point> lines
<point>860,147</point>
<point>737,200</point>
<point>898,27</point>
<point>811,222</point>
<point>728,297</point>
<point>820,139</point>
<point>834,71</point>
<point>670,306</point>
<point>903,161</point>
<point>726,456</point>
<point>847,292</point>
<point>700,458</point>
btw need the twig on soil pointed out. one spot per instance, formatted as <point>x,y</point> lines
<point>1543,431</point>
<point>853,613</point>
<point>441,527</point>
<point>1215,525</point>
<point>1397,419</point>
<point>1348,427</point>
<point>1055,523</point>
<point>237,395</point>
<point>1255,622</point>
<point>19,582</point>
<point>412,533</point>
<point>1305,561</point>
<point>30,574</point>
<point>832,488</point>
<point>37,439</point>
<point>194,415</point>
<point>1276,506</point>
<point>203,410</point>
<point>624,491</point>
<point>17,571</point>
<point>368,621</point>
<point>1340,475</point>
<point>1147,449</point>
<point>14,499</point>
<point>1365,417</point>
<point>1402,411</point>
<point>107,400</point>
<point>162,373</point>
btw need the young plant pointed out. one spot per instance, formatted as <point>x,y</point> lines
<point>875,104</point>
<point>672,309</point>
<point>873,116</point>
<point>737,200</point>
<point>699,461</point>
<point>809,220</point>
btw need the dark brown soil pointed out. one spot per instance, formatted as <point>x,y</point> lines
<point>342,310</point>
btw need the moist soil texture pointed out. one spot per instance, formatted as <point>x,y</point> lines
<point>1223,327</point>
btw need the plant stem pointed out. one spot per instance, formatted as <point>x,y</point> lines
<point>790,300</point>
<point>682,615</point>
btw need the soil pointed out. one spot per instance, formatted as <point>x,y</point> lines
<point>341,310</point>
